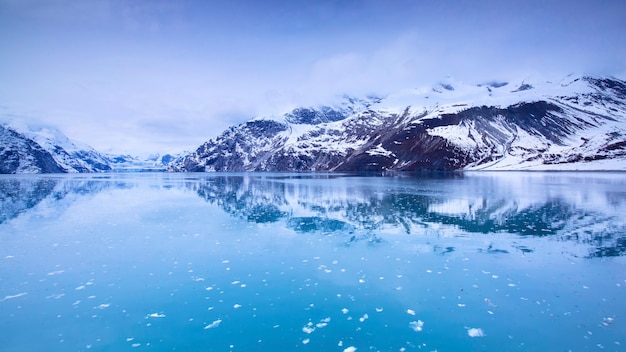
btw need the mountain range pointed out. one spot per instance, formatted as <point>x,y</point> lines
<point>578,123</point>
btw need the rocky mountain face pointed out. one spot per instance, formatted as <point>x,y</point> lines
<point>45,150</point>
<point>574,124</point>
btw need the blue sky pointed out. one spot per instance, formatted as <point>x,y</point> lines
<point>157,76</point>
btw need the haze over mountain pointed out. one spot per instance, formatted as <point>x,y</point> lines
<point>141,77</point>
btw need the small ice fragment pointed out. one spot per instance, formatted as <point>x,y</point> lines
<point>321,325</point>
<point>325,320</point>
<point>350,349</point>
<point>429,271</point>
<point>345,310</point>
<point>225,261</point>
<point>198,279</point>
<point>209,288</point>
<point>607,321</point>
<point>214,324</point>
<point>129,339</point>
<point>340,343</point>
<point>81,287</point>
<point>512,285</point>
<point>77,302</point>
<point>494,276</point>
<point>364,317</point>
<point>305,341</point>
<point>410,311</point>
<point>136,345</point>
<point>461,305</point>
<point>103,306</point>
<point>13,296</point>
<point>308,329</point>
<point>475,332</point>
<point>156,315</point>
<point>236,282</point>
<point>236,306</point>
<point>379,310</point>
<point>416,325</point>
<point>361,281</point>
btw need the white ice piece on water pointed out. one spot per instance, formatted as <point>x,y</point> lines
<point>475,332</point>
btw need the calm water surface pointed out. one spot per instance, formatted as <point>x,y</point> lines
<point>313,262</point>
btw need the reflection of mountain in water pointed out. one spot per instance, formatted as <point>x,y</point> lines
<point>416,206</point>
<point>19,194</point>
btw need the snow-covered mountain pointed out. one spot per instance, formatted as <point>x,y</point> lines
<point>571,124</point>
<point>25,149</point>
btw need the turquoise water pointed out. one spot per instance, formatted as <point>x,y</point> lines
<point>319,262</point>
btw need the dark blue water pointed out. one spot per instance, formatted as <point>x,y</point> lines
<point>319,262</point>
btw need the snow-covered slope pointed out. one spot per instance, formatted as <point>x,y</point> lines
<point>570,124</point>
<point>45,150</point>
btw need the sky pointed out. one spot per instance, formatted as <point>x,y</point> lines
<point>148,76</point>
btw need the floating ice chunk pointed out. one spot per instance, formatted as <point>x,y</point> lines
<point>461,305</point>
<point>129,339</point>
<point>81,287</point>
<point>321,325</point>
<point>416,325</point>
<point>325,320</point>
<point>378,310</point>
<point>345,311</point>
<point>350,349</point>
<point>475,332</point>
<point>361,281</point>
<point>214,324</point>
<point>305,341</point>
<point>307,329</point>
<point>225,261</point>
<point>136,345</point>
<point>364,317</point>
<point>13,296</point>
<point>56,272</point>
<point>103,306</point>
<point>236,282</point>
<point>156,315</point>
<point>236,306</point>
<point>209,288</point>
<point>410,312</point>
